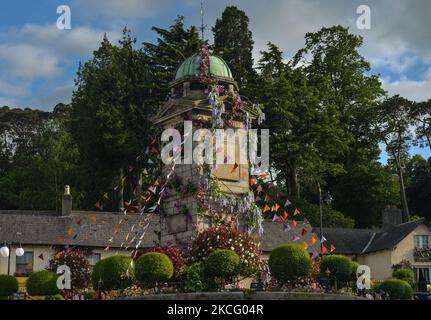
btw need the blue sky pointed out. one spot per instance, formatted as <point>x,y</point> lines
<point>38,62</point>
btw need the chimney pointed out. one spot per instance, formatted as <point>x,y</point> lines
<point>66,204</point>
<point>391,217</point>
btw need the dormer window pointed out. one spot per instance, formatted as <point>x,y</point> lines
<point>421,242</point>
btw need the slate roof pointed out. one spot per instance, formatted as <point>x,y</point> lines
<point>79,229</point>
<point>363,241</point>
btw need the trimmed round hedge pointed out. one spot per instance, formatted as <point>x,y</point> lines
<point>8,285</point>
<point>405,274</point>
<point>154,267</point>
<point>289,262</point>
<point>115,273</point>
<point>223,263</point>
<point>42,283</point>
<point>397,289</point>
<point>340,267</point>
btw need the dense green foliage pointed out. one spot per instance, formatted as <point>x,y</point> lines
<point>42,283</point>
<point>223,264</point>
<point>116,272</point>
<point>233,41</point>
<point>194,277</point>
<point>8,285</point>
<point>154,267</point>
<point>289,262</point>
<point>405,274</point>
<point>340,267</point>
<point>397,289</point>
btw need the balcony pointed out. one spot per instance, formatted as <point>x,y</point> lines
<point>422,255</point>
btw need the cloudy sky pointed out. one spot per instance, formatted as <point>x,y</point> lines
<point>38,62</point>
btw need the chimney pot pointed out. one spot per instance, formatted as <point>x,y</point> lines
<point>66,204</point>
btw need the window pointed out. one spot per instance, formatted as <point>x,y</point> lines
<point>25,263</point>
<point>94,258</point>
<point>421,242</point>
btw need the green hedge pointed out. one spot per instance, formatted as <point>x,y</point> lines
<point>115,273</point>
<point>289,262</point>
<point>55,297</point>
<point>8,285</point>
<point>397,289</point>
<point>154,267</point>
<point>42,283</point>
<point>405,274</point>
<point>223,263</point>
<point>194,277</point>
<point>339,266</point>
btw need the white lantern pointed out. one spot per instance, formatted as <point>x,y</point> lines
<point>4,251</point>
<point>19,252</point>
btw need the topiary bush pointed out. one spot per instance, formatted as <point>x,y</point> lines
<point>289,262</point>
<point>223,264</point>
<point>397,289</point>
<point>78,263</point>
<point>405,274</point>
<point>8,285</point>
<point>339,266</point>
<point>116,272</point>
<point>176,255</point>
<point>228,238</point>
<point>42,283</point>
<point>154,267</point>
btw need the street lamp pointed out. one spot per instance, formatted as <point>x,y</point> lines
<point>5,253</point>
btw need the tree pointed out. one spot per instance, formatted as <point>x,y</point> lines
<point>173,46</point>
<point>39,158</point>
<point>110,118</point>
<point>305,133</point>
<point>233,41</point>
<point>418,186</point>
<point>394,129</point>
<point>364,191</point>
<point>421,113</point>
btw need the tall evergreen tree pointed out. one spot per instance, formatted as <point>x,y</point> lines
<point>173,46</point>
<point>110,119</point>
<point>233,41</point>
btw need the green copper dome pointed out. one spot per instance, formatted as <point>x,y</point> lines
<point>190,67</point>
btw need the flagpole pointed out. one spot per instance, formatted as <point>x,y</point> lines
<point>321,217</point>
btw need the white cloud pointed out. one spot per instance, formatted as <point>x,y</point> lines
<point>416,90</point>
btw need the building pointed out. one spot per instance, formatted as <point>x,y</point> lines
<point>382,249</point>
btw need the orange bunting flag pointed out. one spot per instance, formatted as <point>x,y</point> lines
<point>266,209</point>
<point>296,213</point>
<point>313,240</point>
<point>295,223</point>
<point>156,183</point>
<point>324,249</point>
<point>332,248</point>
<point>234,168</point>
<point>305,245</point>
<point>106,195</point>
<point>93,218</point>
<point>98,205</point>
<point>276,207</point>
<point>244,174</point>
<point>286,215</point>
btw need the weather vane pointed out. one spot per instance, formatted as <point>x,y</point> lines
<point>203,26</point>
